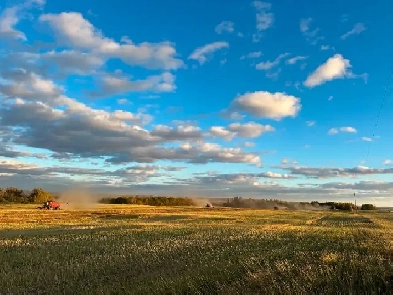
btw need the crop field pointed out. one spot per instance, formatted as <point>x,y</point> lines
<point>118,249</point>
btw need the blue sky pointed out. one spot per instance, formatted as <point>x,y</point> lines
<point>204,98</point>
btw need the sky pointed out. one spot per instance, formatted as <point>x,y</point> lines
<point>198,98</point>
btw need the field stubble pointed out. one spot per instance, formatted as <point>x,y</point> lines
<point>141,249</point>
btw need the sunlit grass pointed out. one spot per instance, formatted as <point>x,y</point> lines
<point>141,249</point>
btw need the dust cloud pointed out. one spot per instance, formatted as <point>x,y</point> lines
<point>200,202</point>
<point>77,199</point>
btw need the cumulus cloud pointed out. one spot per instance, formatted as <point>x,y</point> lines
<point>219,131</point>
<point>73,62</point>
<point>225,26</point>
<point>73,30</point>
<point>113,85</point>
<point>8,20</point>
<point>347,129</point>
<point>263,104</point>
<point>247,130</point>
<point>356,30</point>
<point>178,133</point>
<point>202,54</point>
<point>27,85</point>
<point>336,67</point>
<point>114,136</point>
<point>11,16</point>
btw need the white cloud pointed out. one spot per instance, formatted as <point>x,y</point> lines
<point>247,130</point>
<point>264,104</point>
<point>295,59</point>
<point>325,47</point>
<point>268,65</point>
<point>70,61</point>
<point>330,98</point>
<point>387,162</point>
<point>112,85</point>
<point>75,31</point>
<point>311,35</point>
<point>225,26</point>
<point>202,54</point>
<point>348,129</point>
<point>357,29</point>
<point>123,101</point>
<point>254,54</point>
<point>310,123</point>
<point>8,20</point>
<point>249,144</point>
<point>250,129</point>
<point>219,131</point>
<point>264,18</point>
<point>333,131</point>
<point>364,138</point>
<point>27,85</point>
<point>10,17</point>
<point>305,24</point>
<point>336,67</point>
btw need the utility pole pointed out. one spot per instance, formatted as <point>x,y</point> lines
<point>356,207</point>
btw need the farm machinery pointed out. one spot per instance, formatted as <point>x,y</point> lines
<point>50,205</point>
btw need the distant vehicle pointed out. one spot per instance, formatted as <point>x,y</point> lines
<point>209,205</point>
<point>50,205</point>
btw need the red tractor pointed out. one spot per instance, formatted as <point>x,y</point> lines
<point>50,205</point>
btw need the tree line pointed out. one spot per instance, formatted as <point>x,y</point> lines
<point>239,202</point>
<point>15,195</point>
<point>149,200</point>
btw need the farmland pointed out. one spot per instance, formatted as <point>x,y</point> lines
<point>154,250</point>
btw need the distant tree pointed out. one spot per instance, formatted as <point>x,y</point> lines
<point>14,195</point>
<point>368,207</point>
<point>38,195</point>
<point>2,200</point>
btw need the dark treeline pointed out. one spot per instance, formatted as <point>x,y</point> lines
<point>148,200</point>
<point>15,195</point>
<point>239,202</point>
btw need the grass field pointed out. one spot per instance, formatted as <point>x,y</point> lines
<point>121,249</point>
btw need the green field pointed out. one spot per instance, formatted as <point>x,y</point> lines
<point>117,249</point>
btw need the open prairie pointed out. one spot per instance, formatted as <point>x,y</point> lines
<point>157,250</point>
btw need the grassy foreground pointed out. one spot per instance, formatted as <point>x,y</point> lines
<point>117,249</point>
